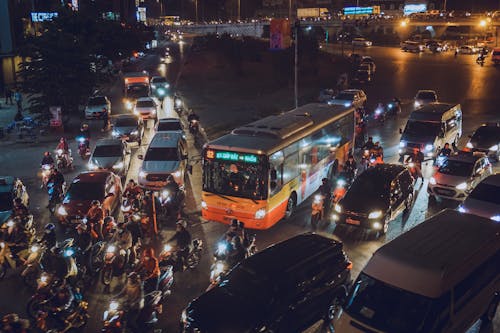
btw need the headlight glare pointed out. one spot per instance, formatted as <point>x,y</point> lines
<point>375,214</point>
<point>260,214</point>
<point>461,186</point>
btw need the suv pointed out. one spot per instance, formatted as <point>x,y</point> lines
<point>284,288</point>
<point>486,139</point>
<point>376,197</point>
<point>166,155</point>
<point>10,189</point>
<point>110,154</point>
<point>146,108</point>
<point>484,199</point>
<point>458,175</point>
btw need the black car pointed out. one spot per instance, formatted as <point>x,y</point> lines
<point>362,76</point>
<point>128,127</point>
<point>376,197</point>
<point>284,288</point>
<point>486,139</point>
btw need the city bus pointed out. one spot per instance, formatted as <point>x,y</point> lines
<point>261,171</point>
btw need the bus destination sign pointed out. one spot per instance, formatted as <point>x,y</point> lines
<point>231,156</point>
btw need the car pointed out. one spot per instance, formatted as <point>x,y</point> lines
<point>467,49</point>
<point>376,197</point>
<point>285,288</point>
<point>368,60</point>
<point>146,108</point>
<point>97,106</point>
<point>171,125</point>
<point>360,41</point>
<point>166,155</point>
<point>458,175</point>
<point>411,46</point>
<point>128,127</point>
<point>486,139</point>
<point>110,154</point>
<point>159,82</point>
<point>10,189</point>
<point>86,187</point>
<point>484,199</point>
<point>362,76</point>
<point>365,67</point>
<point>435,46</point>
<point>495,56</point>
<point>350,97</point>
<point>424,97</point>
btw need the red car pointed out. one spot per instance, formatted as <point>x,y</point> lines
<point>104,186</point>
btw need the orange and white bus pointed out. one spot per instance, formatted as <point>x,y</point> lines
<point>261,171</point>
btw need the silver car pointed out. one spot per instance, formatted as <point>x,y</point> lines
<point>484,200</point>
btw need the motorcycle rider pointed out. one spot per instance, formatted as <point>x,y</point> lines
<point>340,190</point>
<point>417,158</point>
<point>95,217</point>
<point>183,239</point>
<point>83,241</point>
<point>193,120</point>
<point>63,145</point>
<point>132,298</point>
<point>57,178</point>
<point>325,190</point>
<point>49,235</point>
<point>11,323</point>
<point>350,167</point>
<point>85,132</point>
<point>123,240</point>
<point>149,270</point>
<point>237,252</point>
<point>62,301</point>
<point>15,236</point>
<point>134,227</point>
<point>19,210</point>
<point>369,144</point>
<point>132,189</point>
<point>47,159</point>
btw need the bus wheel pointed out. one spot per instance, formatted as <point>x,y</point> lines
<point>290,206</point>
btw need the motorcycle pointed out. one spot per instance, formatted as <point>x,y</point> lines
<point>480,60</point>
<point>113,264</point>
<point>46,172</point>
<point>34,264</point>
<point>46,288</point>
<point>393,108</point>
<point>83,147</point>
<point>177,104</point>
<point>169,256</point>
<point>380,114</point>
<point>75,320</point>
<point>171,203</point>
<point>63,159</point>
<point>317,209</point>
<point>365,159</point>
<point>55,196</point>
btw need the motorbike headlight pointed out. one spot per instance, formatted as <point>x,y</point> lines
<point>317,198</point>
<point>461,209</point>
<point>165,194</point>
<point>340,182</point>
<point>377,225</point>
<point>347,104</point>
<point>221,248</point>
<point>34,248</point>
<point>44,278</point>
<point>494,148</point>
<point>68,252</point>
<point>153,86</point>
<point>167,248</point>
<point>10,223</point>
<point>113,306</point>
<point>118,165</point>
<point>62,211</point>
<point>260,214</point>
<point>81,139</point>
<point>469,145</point>
<point>177,174</point>
<point>134,132</point>
<point>91,166</point>
<point>128,105</point>
<point>432,181</point>
<point>178,103</point>
<point>402,144</point>
<point>153,112</point>
<point>136,112</point>
<point>462,186</point>
<point>59,152</point>
<point>375,214</point>
<point>495,218</point>
<point>184,317</point>
<point>390,105</point>
<point>429,147</point>
<point>111,249</point>
<point>2,245</point>
<point>46,167</point>
<point>338,208</point>
<point>142,174</point>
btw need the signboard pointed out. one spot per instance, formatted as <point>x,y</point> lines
<point>279,34</point>
<point>374,10</point>
<point>41,17</point>
<point>56,119</point>
<point>231,156</point>
<point>141,14</point>
<point>414,8</point>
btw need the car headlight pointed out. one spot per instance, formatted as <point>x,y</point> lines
<point>118,165</point>
<point>469,145</point>
<point>494,148</point>
<point>177,174</point>
<point>142,174</point>
<point>167,85</point>
<point>34,248</point>
<point>204,205</point>
<point>416,104</point>
<point>111,249</point>
<point>461,186</point>
<point>153,112</point>
<point>115,133</point>
<point>461,209</point>
<point>429,147</point>
<point>136,112</point>
<point>68,252</point>
<point>375,214</point>
<point>347,104</point>
<point>432,181</point>
<point>91,166</point>
<point>128,105</point>
<point>153,86</point>
<point>167,248</point>
<point>134,132</point>
<point>495,218</point>
<point>338,208</point>
<point>260,213</point>
<point>402,144</point>
<point>62,211</point>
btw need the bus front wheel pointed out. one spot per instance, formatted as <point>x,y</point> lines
<point>290,206</point>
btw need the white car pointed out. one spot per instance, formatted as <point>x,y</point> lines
<point>146,108</point>
<point>97,106</point>
<point>484,199</point>
<point>350,97</point>
<point>170,125</point>
<point>411,46</point>
<point>467,49</point>
<point>424,97</point>
<point>360,41</point>
<point>458,176</point>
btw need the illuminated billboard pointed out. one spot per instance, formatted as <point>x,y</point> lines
<point>415,8</point>
<point>374,10</point>
<point>40,17</point>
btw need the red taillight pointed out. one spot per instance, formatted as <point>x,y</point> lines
<point>349,265</point>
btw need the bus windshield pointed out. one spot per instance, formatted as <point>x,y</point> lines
<point>235,178</point>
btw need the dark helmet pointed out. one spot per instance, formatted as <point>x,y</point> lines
<point>236,241</point>
<point>49,227</point>
<point>370,138</point>
<point>241,225</point>
<point>18,201</point>
<point>234,223</point>
<point>182,223</point>
<point>109,219</point>
<point>95,203</point>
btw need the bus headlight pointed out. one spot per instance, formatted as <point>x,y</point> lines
<point>204,205</point>
<point>260,213</point>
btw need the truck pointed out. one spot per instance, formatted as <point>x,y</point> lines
<point>136,85</point>
<point>312,13</point>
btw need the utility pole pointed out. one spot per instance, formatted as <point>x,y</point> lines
<point>196,10</point>
<point>290,10</point>
<point>296,65</point>
<point>444,6</point>
<point>239,10</point>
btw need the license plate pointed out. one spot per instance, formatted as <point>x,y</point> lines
<point>351,221</point>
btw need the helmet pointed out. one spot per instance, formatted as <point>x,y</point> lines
<point>131,181</point>
<point>47,153</point>
<point>85,126</point>
<point>234,223</point>
<point>50,227</point>
<point>182,223</point>
<point>109,219</point>
<point>95,203</point>
<point>241,225</point>
<point>370,138</point>
<point>236,241</point>
<point>18,201</point>
<point>133,277</point>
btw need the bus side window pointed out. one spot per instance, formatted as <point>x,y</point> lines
<point>276,178</point>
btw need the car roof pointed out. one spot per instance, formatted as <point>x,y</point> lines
<point>433,112</point>
<point>92,177</point>
<point>284,256</point>
<point>109,142</point>
<point>125,116</point>
<point>435,255</point>
<point>469,157</point>
<point>144,99</point>
<point>158,77</point>
<point>169,120</point>
<point>165,140</point>
<point>492,180</point>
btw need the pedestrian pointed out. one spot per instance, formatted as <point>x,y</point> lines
<point>456,52</point>
<point>8,96</point>
<point>105,119</point>
<point>19,100</point>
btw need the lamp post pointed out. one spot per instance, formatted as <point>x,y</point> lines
<point>296,64</point>
<point>290,10</point>
<point>239,10</point>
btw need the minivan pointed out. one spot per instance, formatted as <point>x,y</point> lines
<point>439,277</point>
<point>166,155</point>
<point>430,127</point>
<point>285,288</point>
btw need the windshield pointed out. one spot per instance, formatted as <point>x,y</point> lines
<point>235,178</point>
<point>345,96</point>
<point>145,104</point>
<point>486,192</point>
<point>486,135</point>
<point>85,191</point>
<point>169,126</point>
<point>428,96</point>
<point>138,91</point>
<point>162,154</point>
<point>422,128</point>
<point>5,201</point>
<point>108,151</point>
<point>387,308</point>
<point>159,80</point>
<point>97,101</point>
<point>456,168</point>
<point>126,122</point>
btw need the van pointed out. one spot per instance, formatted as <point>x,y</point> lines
<point>441,276</point>
<point>166,155</point>
<point>495,56</point>
<point>430,127</point>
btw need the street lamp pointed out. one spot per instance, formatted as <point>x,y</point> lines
<point>403,23</point>
<point>482,23</point>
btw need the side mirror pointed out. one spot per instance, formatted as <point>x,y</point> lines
<point>141,157</point>
<point>190,169</point>
<point>400,131</point>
